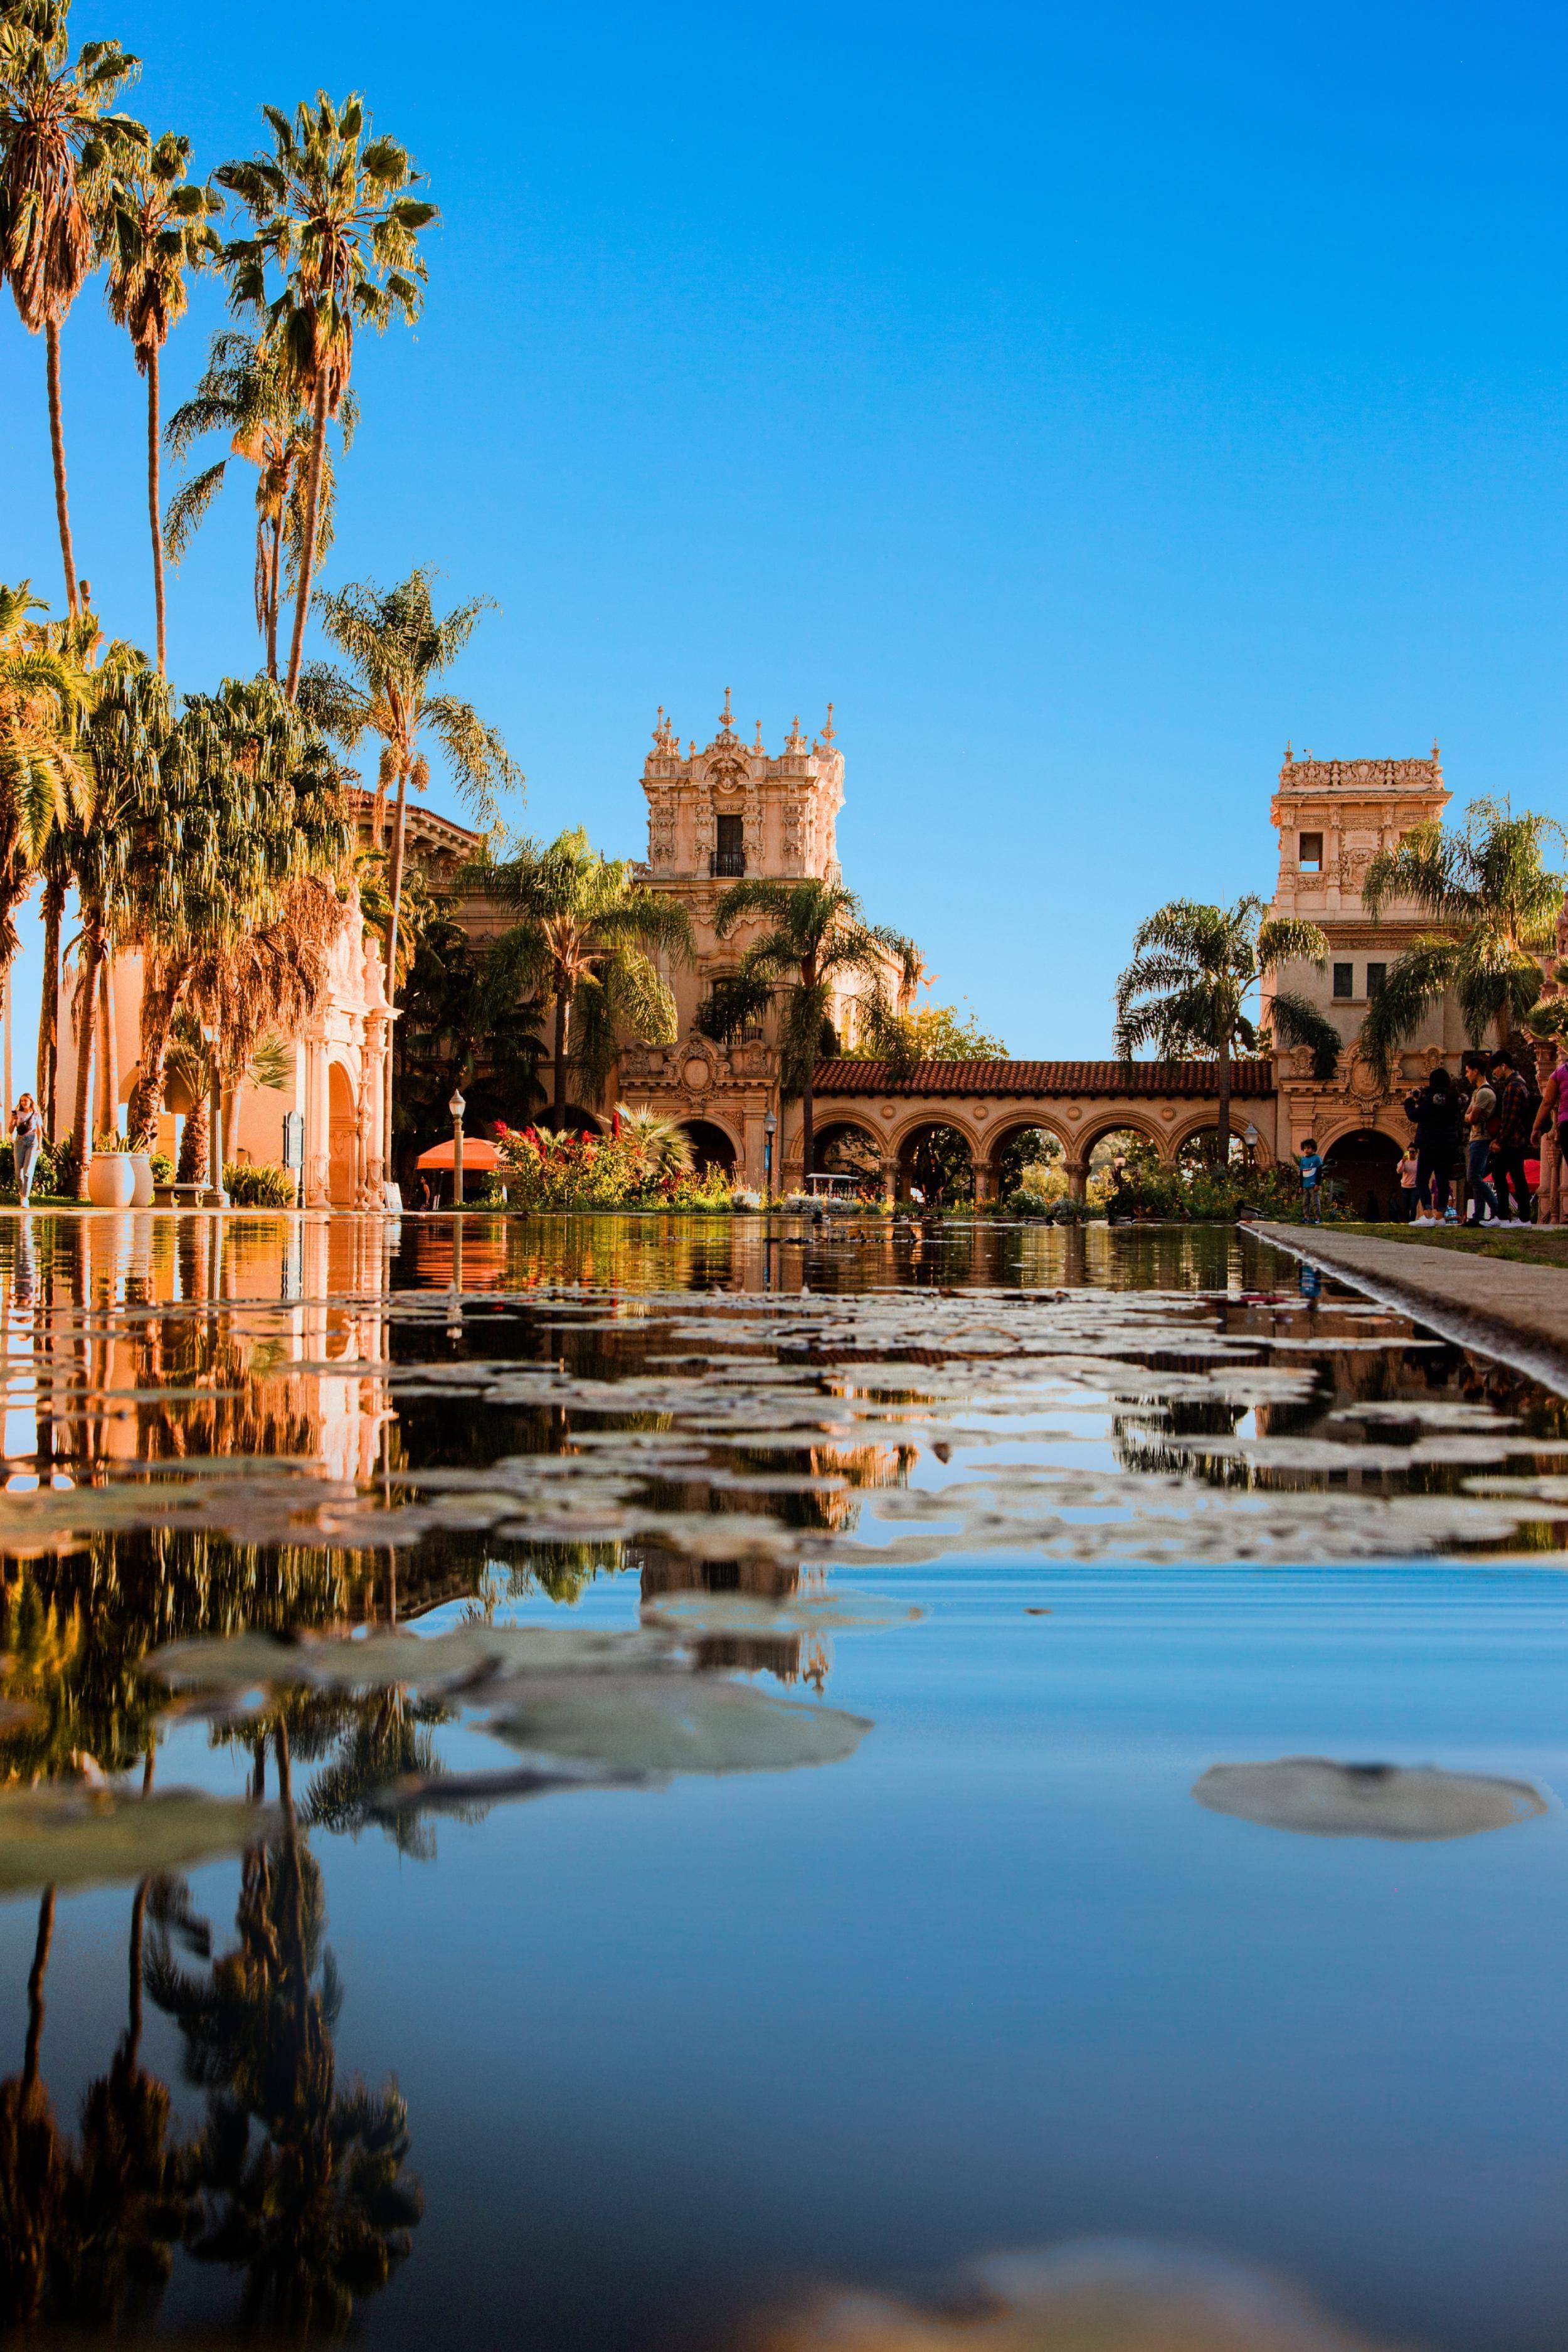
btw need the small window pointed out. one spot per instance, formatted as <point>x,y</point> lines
<point>1309,854</point>
<point>1344,980</point>
<point>1376,973</point>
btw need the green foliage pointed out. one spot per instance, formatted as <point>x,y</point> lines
<point>934,1033</point>
<point>1192,970</point>
<point>817,939</point>
<point>1487,888</point>
<point>627,1170</point>
<point>252,1184</point>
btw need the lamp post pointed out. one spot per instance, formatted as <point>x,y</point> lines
<point>456,1106</point>
<point>770,1128</point>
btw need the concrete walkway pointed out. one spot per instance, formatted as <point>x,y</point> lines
<point>1519,1313</point>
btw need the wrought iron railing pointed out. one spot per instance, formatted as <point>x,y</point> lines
<point>729,863</point>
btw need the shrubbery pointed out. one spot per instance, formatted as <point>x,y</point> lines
<point>258,1185</point>
<point>620,1170</point>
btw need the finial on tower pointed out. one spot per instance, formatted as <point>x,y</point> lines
<point>726,716</point>
<point>659,728</point>
<point>1436,755</point>
<point>759,744</point>
<point>1289,753</point>
<point>796,740</point>
<point>827,730</point>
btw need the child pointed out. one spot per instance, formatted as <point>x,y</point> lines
<point>1311,1166</point>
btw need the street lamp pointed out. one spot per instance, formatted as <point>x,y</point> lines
<point>456,1106</point>
<point>770,1128</point>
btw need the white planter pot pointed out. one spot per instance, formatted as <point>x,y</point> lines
<point>142,1195</point>
<point>111,1180</point>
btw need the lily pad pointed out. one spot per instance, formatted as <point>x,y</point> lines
<point>388,1661</point>
<point>798,1612</point>
<point>1319,1798</point>
<point>80,1837</point>
<point>678,1723</point>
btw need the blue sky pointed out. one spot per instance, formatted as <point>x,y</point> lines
<point>1085,400</point>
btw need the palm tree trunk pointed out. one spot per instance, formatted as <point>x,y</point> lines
<point>274,576</point>
<point>563,1015</point>
<point>1224,1153</point>
<point>138,1918</point>
<point>58,450</point>
<point>308,553</point>
<point>109,1097</point>
<point>153,509</point>
<point>808,1138</point>
<point>87,1005</point>
<point>159,998</point>
<point>36,1975</point>
<point>49,1005</point>
<point>394,893</point>
<point>192,1163</point>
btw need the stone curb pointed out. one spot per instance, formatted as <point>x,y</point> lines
<point>1517,1313</point>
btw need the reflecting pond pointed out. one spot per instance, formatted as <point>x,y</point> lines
<point>621,1783</point>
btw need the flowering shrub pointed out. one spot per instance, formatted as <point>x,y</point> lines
<point>618,1170</point>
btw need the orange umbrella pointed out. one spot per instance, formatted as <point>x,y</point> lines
<point>476,1153</point>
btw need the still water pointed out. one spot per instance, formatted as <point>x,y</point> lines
<point>802,1765</point>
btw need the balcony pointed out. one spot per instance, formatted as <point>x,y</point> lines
<point>726,864</point>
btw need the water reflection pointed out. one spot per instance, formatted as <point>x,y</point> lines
<point>294,1442</point>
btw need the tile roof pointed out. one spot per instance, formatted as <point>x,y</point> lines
<point>1250,1079</point>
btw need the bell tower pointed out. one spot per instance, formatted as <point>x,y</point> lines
<point>733,809</point>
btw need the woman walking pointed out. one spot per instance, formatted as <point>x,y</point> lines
<point>26,1130</point>
<point>1434,1112</point>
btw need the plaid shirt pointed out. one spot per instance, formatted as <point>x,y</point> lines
<point>1513,1118</point>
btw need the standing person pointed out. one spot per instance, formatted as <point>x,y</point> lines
<point>1407,1185</point>
<point>1480,1111</point>
<point>1309,1162</point>
<point>26,1127</point>
<point>1510,1143</point>
<point>1434,1112</point>
<point>1553,1110</point>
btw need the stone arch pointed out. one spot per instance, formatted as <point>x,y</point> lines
<point>927,1163</point>
<point>342,1136</point>
<point>837,1130</point>
<point>1197,1123</point>
<point>1365,1159</point>
<point>713,1145</point>
<point>1007,1131</point>
<point>580,1121</point>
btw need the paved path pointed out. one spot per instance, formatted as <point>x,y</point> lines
<point>1516,1312</point>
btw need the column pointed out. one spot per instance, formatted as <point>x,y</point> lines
<point>889,1178</point>
<point>1077,1179</point>
<point>318,1125</point>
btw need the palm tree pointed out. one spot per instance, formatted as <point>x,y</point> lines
<point>330,209</point>
<point>126,730</point>
<point>396,650</point>
<point>818,940</point>
<point>581,943</point>
<point>249,807</point>
<point>156,228</point>
<point>113,713</point>
<point>248,392</point>
<point>43,778</point>
<point>1495,904</point>
<point>1193,967</point>
<point>59,141</point>
<point>660,1145</point>
<point>32,2168</point>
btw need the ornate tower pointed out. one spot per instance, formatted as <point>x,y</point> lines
<point>733,809</point>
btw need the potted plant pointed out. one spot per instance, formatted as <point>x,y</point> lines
<point>111,1174</point>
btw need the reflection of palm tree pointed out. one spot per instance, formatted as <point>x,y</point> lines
<point>299,2184</point>
<point>124,2196</point>
<point>31,2166</point>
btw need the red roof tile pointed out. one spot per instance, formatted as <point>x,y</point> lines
<point>1039,1079</point>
